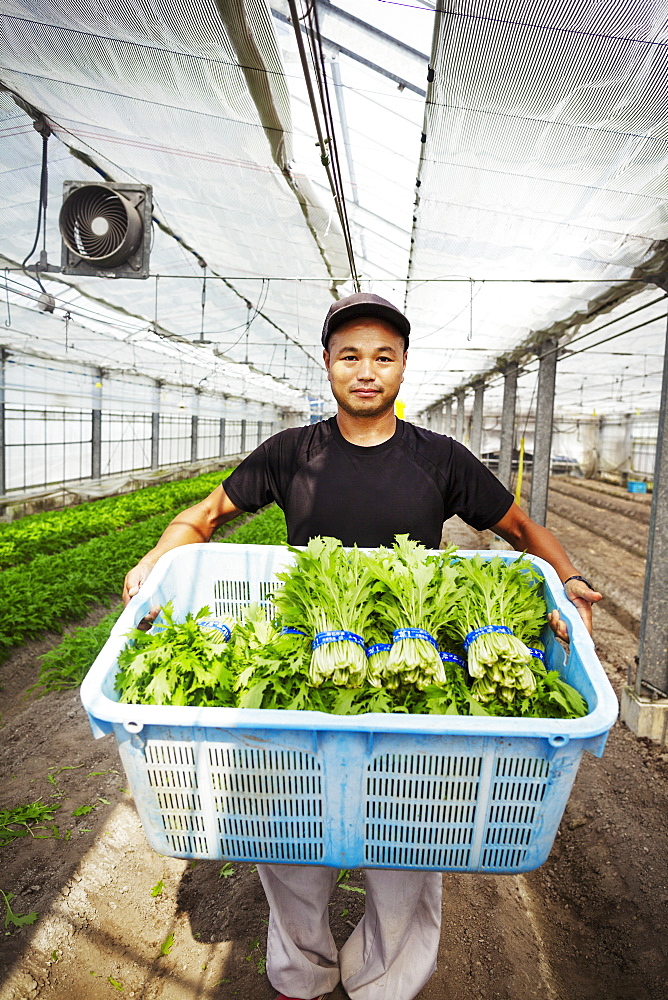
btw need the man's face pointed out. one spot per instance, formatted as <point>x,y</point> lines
<point>365,362</point>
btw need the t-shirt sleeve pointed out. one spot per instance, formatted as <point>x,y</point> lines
<point>252,485</point>
<point>476,495</point>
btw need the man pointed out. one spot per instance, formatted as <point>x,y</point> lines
<point>363,476</point>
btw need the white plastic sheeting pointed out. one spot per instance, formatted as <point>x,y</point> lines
<point>540,158</point>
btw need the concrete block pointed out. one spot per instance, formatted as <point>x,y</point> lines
<point>645,716</point>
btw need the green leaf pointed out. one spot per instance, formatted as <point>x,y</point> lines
<point>15,919</point>
<point>167,945</point>
<point>252,698</point>
<point>83,810</point>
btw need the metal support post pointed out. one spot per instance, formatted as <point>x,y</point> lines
<point>508,425</point>
<point>242,448</point>
<point>476,420</point>
<point>96,429</point>
<point>447,417</point>
<point>540,470</point>
<point>194,433</point>
<point>155,427</point>
<point>653,645</point>
<point>459,419</point>
<point>259,432</point>
<point>221,438</point>
<point>3,432</point>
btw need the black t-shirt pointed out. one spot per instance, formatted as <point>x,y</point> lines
<point>410,484</point>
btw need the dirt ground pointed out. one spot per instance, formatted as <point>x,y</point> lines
<point>114,918</point>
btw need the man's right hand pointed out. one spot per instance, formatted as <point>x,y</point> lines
<point>133,581</point>
<point>196,524</point>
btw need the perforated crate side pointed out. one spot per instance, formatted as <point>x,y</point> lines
<point>465,804</point>
<point>209,794</point>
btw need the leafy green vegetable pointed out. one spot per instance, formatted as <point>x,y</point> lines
<point>66,665</point>
<point>14,918</point>
<point>54,531</point>
<point>270,664</point>
<point>266,528</point>
<point>167,945</point>
<point>495,593</point>
<point>329,591</point>
<point>175,663</point>
<point>415,591</point>
<point>23,821</point>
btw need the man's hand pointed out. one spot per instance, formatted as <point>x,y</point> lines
<point>133,581</point>
<point>196,524</point>
<point>582,597</point>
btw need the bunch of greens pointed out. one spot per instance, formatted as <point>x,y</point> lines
<point>415,597</point>
<point>493,594</point>
<point>176,663</point>
<point>327,595</point>
<point>552,697</point>
<point>271,665</point>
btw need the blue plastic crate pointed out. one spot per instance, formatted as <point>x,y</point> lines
<point>444,793</point>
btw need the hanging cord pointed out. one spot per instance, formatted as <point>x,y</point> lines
<point>8,321</point>
<point>155,305</point>
<point>323,120</point>
<point>43,128</point>
<point>201,330</point>
<point>67,330</point>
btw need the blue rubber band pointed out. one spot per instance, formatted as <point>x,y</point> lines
<point>218,626</point>
<point>452,658</point>
<point>336,636</point>
<point>378,647</point>
<point>538,653</point>
<point>414,633</point>
<point>292,631</point>
<point>481,631</point>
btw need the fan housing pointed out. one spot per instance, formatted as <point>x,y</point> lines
<point>105,229</point>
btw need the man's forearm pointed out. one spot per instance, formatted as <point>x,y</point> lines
<point>525,535</point>
<point>196,524</point>
<point>540,541</point>
<point>186,528</point>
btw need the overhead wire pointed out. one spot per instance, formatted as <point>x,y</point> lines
<point>530,366</point>
<point>323,120</point>
<point>43,128</point>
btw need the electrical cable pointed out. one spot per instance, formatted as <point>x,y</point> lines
<point>324,129</point>
<point>45,132</point>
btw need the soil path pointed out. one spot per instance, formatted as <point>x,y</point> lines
<point>116,919</point>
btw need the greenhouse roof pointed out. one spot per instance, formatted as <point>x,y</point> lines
<point>499,170</point>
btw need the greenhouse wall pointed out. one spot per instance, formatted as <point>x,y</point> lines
<point>63,424</point>
<point>617,447</point>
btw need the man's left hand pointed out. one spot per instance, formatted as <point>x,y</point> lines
<point>583,597</point>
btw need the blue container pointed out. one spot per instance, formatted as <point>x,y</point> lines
<point>444,793</point>
<point>634,486</point>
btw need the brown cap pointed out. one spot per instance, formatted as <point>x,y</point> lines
<point>364,304</point>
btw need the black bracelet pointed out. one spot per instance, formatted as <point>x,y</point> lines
<point>579,578</point>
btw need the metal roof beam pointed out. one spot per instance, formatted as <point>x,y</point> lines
<point>348,35</point>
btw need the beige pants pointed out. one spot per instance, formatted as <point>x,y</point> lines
<point>389,956</point>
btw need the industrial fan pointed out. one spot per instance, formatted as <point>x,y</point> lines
<point>105,229</point>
